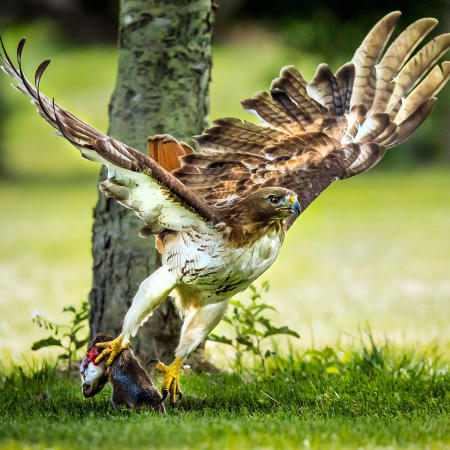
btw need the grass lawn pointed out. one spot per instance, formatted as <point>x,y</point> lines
<point>376,399</point>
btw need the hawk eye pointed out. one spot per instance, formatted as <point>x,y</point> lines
<point>274,200</point>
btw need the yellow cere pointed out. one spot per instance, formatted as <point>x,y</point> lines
<point>292,199</point>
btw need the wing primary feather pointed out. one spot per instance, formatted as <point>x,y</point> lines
<point>37,80</point>
<point>289,107</point>
<point>370,154</point>
<point>416,68</point>
<point>428,88</point>
<point>345,77</point>
<point>366,57</point>
<point>395,57</point>
<point>270,112</point>
<point>88,139</point>
<point>8,59</point>
<point>61,127</point>
<point>291,82</point>
<point>407,127</point>
<point>19,62</point>
<point>324,89</point>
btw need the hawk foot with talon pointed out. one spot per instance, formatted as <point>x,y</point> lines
<point>111,348</point>
<point>171,383</point>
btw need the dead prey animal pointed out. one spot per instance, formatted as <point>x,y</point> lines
<point>132,386</point>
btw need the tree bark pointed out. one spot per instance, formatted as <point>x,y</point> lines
<point>162,87</point>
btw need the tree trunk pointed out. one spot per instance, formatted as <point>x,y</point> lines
<point>162,87</point>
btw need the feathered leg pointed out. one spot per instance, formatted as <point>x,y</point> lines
<point>152,291</point>
<point>196,326</point>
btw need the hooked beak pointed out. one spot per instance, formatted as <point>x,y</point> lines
<point>295,208</point>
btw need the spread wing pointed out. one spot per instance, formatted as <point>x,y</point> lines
<point>134,179</point>
<point>334,127</point>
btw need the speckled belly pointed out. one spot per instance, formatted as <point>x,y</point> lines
<point>211,273</point>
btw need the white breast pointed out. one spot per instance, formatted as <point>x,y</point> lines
<point>211,270</point>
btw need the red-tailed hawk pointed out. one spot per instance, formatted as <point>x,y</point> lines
<point>221,214</point>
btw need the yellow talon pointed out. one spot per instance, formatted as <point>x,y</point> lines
<point>111,348</point>
<point>171,383</point>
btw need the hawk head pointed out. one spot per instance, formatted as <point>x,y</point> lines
<point>257,213</point>
<point>271,204</point>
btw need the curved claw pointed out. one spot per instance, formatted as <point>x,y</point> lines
<point>175,392</point>
<point>171,383</point>
<point>111,348</point>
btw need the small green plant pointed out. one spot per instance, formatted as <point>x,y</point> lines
<point>251,328</point>
<point>69,337</point>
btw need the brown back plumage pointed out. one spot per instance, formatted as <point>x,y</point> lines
<point>335,126</point>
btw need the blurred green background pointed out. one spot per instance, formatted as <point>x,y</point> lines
<point>374,249</point>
